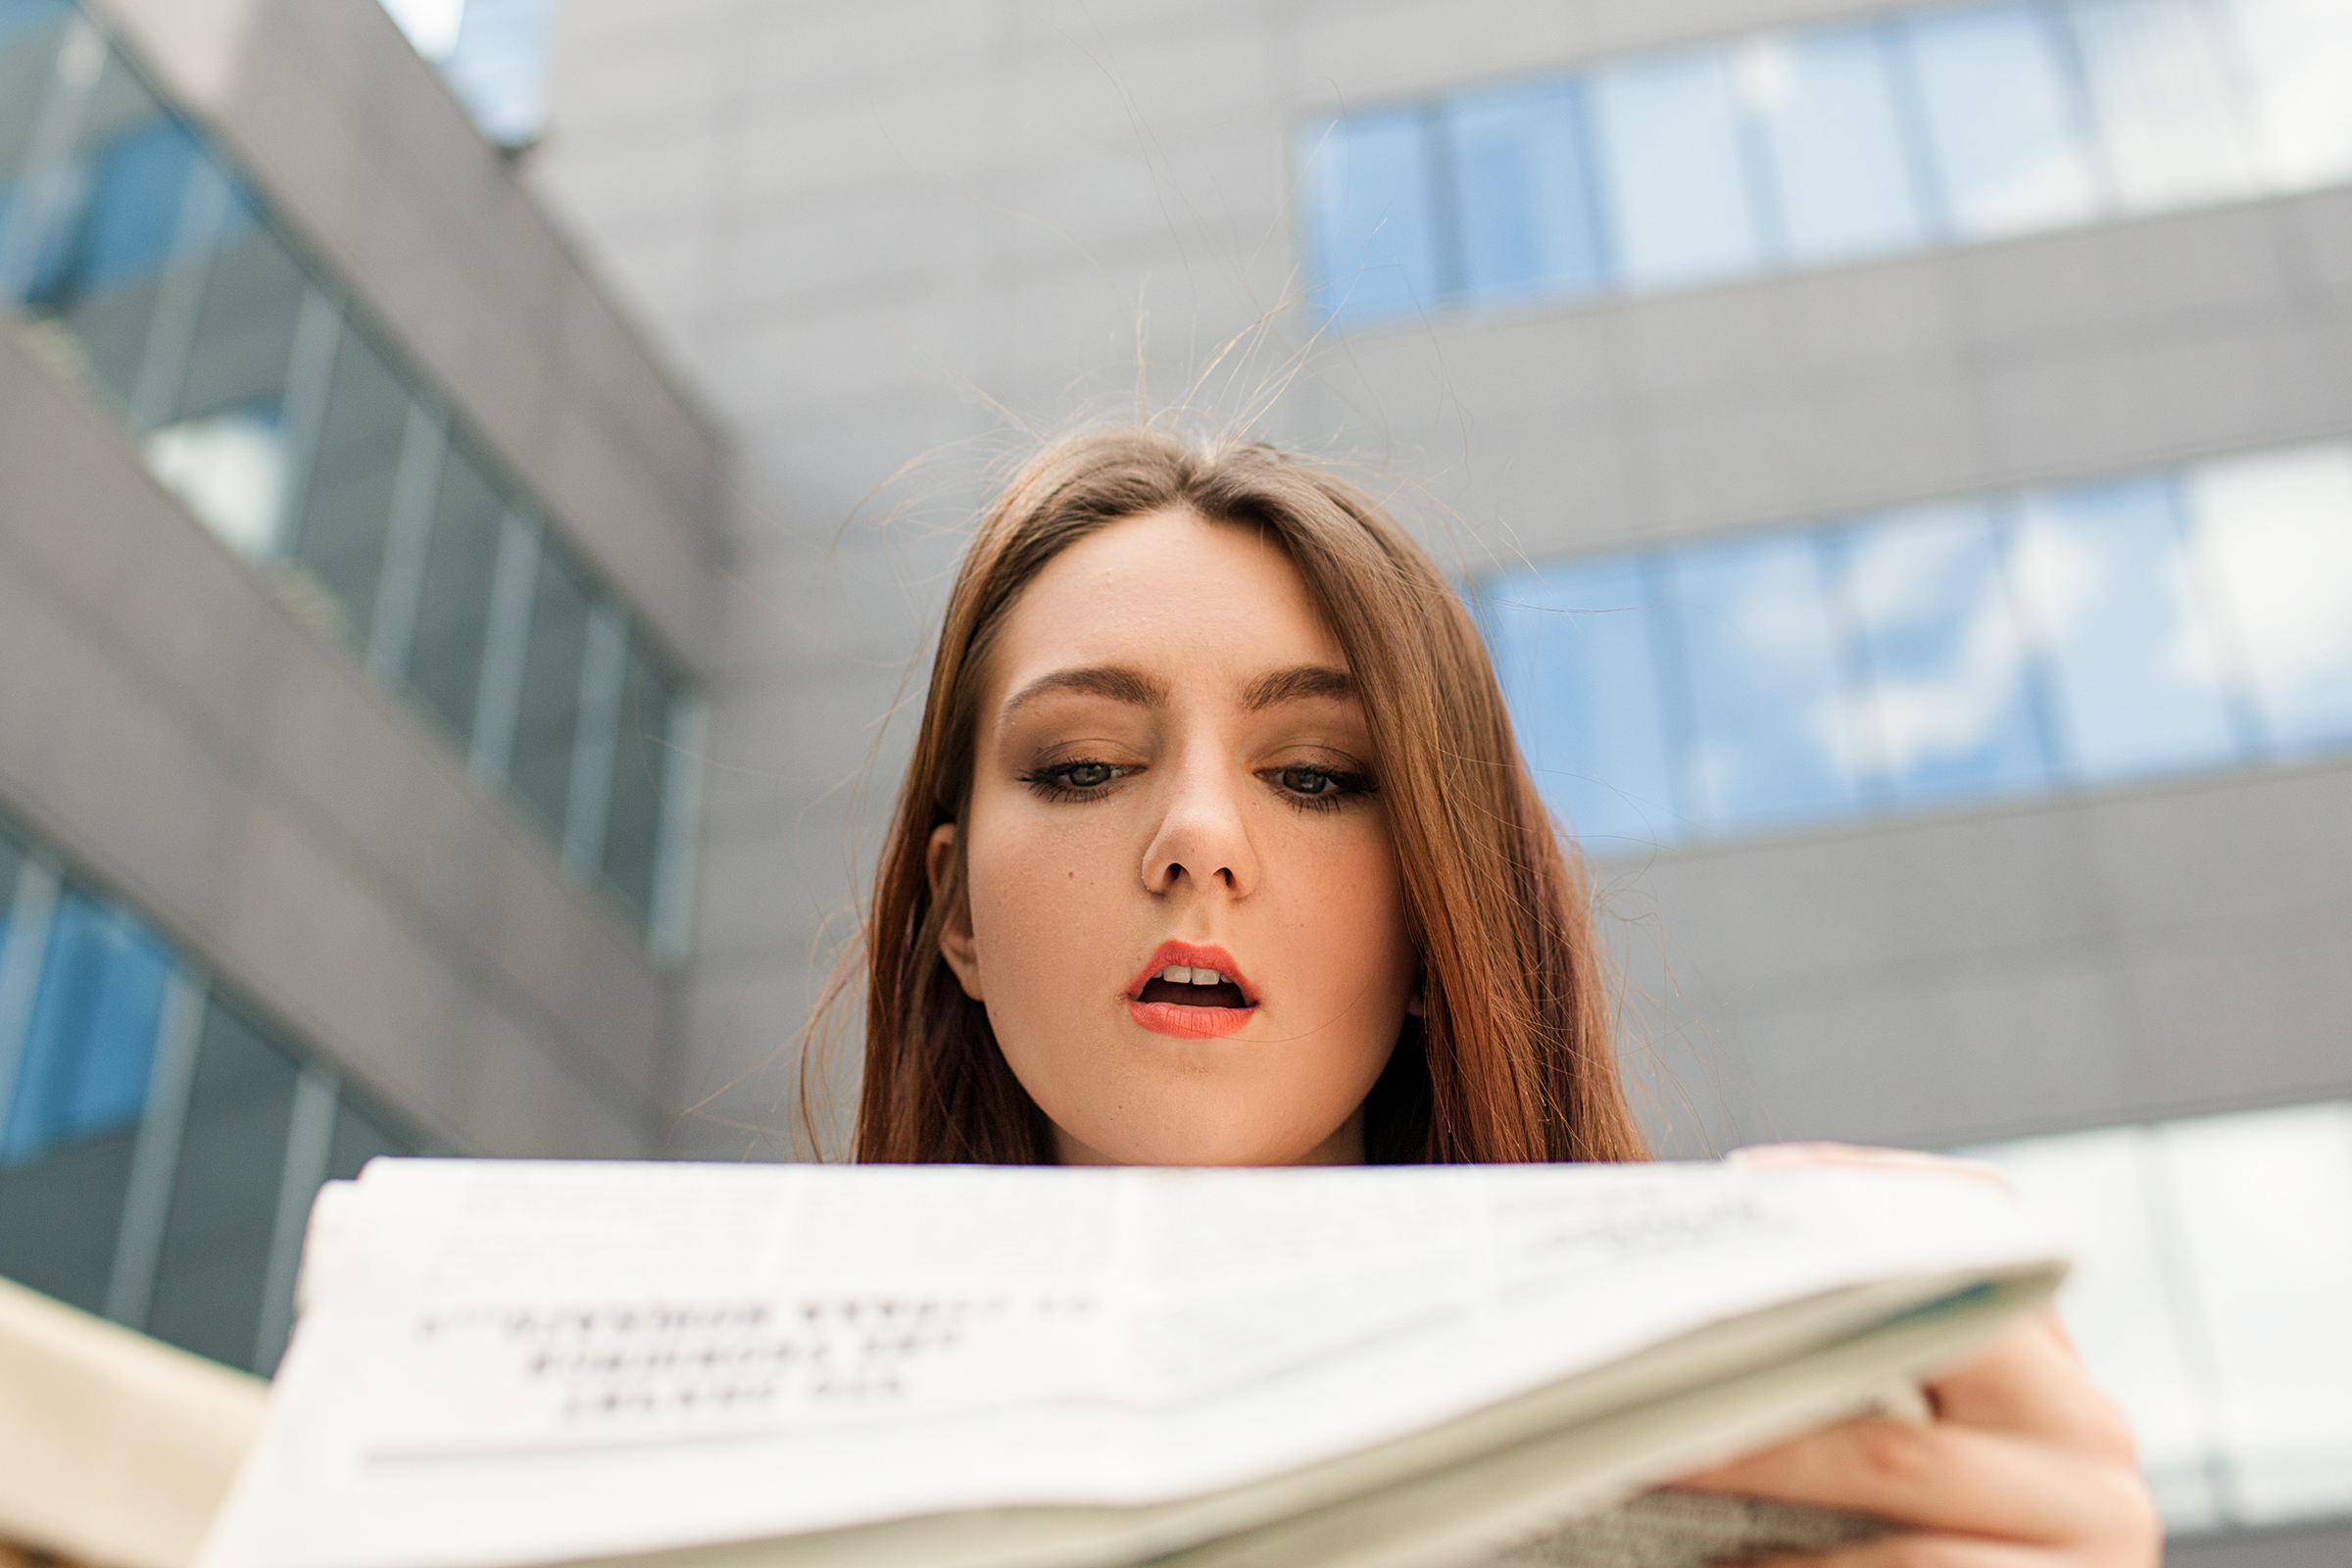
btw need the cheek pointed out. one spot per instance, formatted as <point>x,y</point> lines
<point>1344,915</point>
<point>1038,897</point>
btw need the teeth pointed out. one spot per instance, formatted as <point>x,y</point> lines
<point>1177,974</point>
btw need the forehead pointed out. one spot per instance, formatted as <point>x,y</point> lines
<point>1168,591</point>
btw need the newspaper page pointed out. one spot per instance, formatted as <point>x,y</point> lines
<point>502,1364</point>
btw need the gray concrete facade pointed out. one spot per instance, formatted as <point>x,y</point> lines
<point>894,239</point>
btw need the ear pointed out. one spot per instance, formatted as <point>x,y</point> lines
<point>955,943</point>
<point>1417,1004</point>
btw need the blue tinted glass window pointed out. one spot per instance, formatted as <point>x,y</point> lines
<point>1675,176</point>
<point>80,1087</point>
<point>1375,239</point>
<point>20,17</point>
<point>30,33</point>
<point>2004,123</point>
<point>1948,707</point>
<point>346,509</point>
<point>547,711</point>
<point>1576,647</point>
<point>453,606</point>
<point>1770,709</point>
<point>2160,88</point>
<point>2293,53</point>
<point>2273,541</point>
<point>2104,580</point>
<point>98,263</point>
<point>640,776</point>
<point>1523,187</point>
<point>224,1209</point>
<point>2267,1280</point>
<point>132,215</point>
<point>224,446</point>
<point>1835,148</point>
<point>84,1069</point>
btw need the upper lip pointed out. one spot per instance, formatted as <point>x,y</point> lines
<point>1193,957</point>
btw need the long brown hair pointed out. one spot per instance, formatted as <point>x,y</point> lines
<point>1514,1059</point>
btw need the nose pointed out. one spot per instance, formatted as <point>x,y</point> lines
<point>1202,837</point>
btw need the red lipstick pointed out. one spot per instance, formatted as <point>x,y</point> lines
<point>1191,1021</point>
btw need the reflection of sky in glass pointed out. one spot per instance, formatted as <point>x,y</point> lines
<point>496,65</point>
<point>2093,634</point>
<point>1945,708</point>
<point>431,25</point>
<point>2024,166</point>
<point>1678,197</point>
<point>2272,535</point>
<point>1523,188</point>
<point>1575,648</point>
<point>1831,144</point>
<point>1769,739</point>
<point>2103,575</point>
<point>229,468</point>
<point>2265,1213</point>
<point>1816,144</point>
<point>2214,1261</point>
<point>2119,1307</point>
<point>2293,53</point>
<point>1375,249</point>
<point>2166,114</point>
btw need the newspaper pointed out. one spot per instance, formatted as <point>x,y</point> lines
<point>499,1364</point>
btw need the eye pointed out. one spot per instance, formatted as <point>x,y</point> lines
<point>1319,788</point>
<point>1073,781</point>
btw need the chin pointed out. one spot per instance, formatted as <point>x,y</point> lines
<point>1180,1141</point>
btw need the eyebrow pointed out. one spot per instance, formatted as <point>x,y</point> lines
<point>1118,684</point>
<point>1299,683</point>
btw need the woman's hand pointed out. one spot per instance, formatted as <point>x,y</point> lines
<point>2026,1464</point>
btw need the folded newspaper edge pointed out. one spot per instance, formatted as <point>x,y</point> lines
<point>520,1365</point>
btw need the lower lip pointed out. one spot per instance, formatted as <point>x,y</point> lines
<point>1188,1023</point>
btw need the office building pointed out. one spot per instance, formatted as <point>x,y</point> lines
<point>356,560</point>
<point>1899,453</point>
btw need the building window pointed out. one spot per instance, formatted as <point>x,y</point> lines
<point>1523,200</point>
<point>1967,651</point>
<point>147,266</point>
<point>2213,1258</point>
<point>159,1143</point>
<point>1818,145</point>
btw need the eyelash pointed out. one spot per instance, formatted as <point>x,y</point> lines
<point>1050,784</point>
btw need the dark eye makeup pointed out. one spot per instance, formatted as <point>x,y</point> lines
<point>1306,786</point>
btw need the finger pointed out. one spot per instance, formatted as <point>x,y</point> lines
<point>2033,1384</point>
<point>1909,1551</point>
<point>1947,1477</point>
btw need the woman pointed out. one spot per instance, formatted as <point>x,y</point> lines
<point>1216,849</point>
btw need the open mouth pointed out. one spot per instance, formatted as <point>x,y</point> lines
<point>1188,987</point>
<point>1190,992</point>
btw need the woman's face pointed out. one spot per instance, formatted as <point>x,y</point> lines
<point>1173,777</point>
